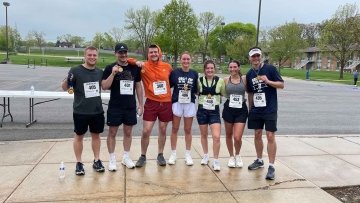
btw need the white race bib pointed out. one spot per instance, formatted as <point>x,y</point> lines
<point>259,100</point>
<point>235,101</point>
<point>159,87</point>
<point>126,87</point>
<point>184,96</point>
<point>209,103</point>
<point>91,89</point>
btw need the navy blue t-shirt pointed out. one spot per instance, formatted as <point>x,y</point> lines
<point>118,101</point>
<point>178,78</point>
<point>256,86</point>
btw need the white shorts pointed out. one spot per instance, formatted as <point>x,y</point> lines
<point>187,110</point>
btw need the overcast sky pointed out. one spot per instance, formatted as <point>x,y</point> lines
<point>85,17</point>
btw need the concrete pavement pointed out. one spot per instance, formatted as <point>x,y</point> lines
<point>305,164</point>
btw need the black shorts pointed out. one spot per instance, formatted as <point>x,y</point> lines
<point>235,115</point>
<point>82,122</point>
<point>258,120</point>
<point>207,117</point>
<point>122,116</point>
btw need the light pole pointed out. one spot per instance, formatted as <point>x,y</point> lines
<point>258,24</point>
<point>222,34</point>
<point>6,4</point>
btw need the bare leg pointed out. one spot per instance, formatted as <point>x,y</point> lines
<point>95,144</point>
<point>238,133</point>
<point>78,146</point>
<point>162,136</point>
<point>187,128</point>
<point>204,137</point>
<point>127,137</point>
<point>111,139</point>
<point>229,137</point>
<point>145,138</point>
<point>259,145</point>
<point>271,146</point>
<point>215,131</point>
<point>174,131</point>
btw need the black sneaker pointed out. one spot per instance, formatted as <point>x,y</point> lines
<point>79,170</point>
<point>161,160</point>
<point>257,164</point>
<point>141,162</point>
<point>98,166</point>
<point>271,173</point>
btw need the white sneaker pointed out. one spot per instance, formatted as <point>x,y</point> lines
<point>238,162</point>
<point>205,159</point>
<point>128,162</point>
<point>216,165</point>
<point>231,163</point>
<point>112,164</point>
<point>188,160</point>
<point>172,159</point>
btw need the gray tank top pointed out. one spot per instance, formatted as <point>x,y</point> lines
<point>238,89</point>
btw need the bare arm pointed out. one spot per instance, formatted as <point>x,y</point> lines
<point>250,100</point>
<point>274,84</point>
<point>140,96</point>
<point>106,84</point>
<point>64,85</point>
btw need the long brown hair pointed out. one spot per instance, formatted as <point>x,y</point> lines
<point>238,63</point>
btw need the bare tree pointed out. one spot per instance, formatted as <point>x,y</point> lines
<point>142,24</point>
<point>38,37</point>
<point>116,34</point>
<point>207,23</point>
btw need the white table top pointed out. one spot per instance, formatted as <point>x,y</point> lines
<point>43,94</point>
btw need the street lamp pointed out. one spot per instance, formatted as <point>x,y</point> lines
<point>222,34</point>
<point>6,4</point>
<point>258,24</point>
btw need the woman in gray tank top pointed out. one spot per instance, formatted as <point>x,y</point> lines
<point>235,112</point>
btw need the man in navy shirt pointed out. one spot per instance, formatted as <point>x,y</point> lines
<point>262,81</point>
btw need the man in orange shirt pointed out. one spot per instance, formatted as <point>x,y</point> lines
<point>155,77</point>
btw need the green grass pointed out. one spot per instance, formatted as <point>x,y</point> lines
<point>56,58</point>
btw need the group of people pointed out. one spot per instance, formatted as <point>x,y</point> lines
<point>123,78</point>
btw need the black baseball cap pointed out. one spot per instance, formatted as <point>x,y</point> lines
<point>120,47</point>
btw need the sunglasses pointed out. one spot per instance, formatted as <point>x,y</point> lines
<point>255,55</point>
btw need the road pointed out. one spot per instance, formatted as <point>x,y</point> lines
<point>305,107</point>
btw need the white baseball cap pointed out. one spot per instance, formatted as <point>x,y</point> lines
<point>254,51</point>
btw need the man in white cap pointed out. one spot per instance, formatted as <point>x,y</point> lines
<point>262,80</point>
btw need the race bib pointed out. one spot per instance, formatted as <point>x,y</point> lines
<point>209,103</point>
<point>91,89</point>
<point>259,100</point>
<point>126,87</point>
<point>159,87</point>
<point>184,97</point>
<point>235,101</point>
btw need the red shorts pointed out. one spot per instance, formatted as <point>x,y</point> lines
<point>154,109</point>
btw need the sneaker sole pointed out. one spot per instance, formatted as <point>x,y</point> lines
<point>112,170</point>
<point>80,173</point>
<point>256,168</point>
<point>161,164</point>
<point>139,166</point>
<point>270,178</point>
<point>171,163</point>
<point>99,170</point>
<point>128,166</point>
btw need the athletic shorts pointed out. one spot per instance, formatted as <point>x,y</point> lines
<point>184,110</point>
<point>235,115</point>
<point>258,120</point>
<point>83,122</point>
<point>116,117</point>
<point>154,109</point>
<point>209,117</point>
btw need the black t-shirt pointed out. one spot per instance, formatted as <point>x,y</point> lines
<point>117,100</point>
<point>256,86</point>
<point>178,79</point>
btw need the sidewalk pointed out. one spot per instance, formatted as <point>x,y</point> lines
<point>29,173</point>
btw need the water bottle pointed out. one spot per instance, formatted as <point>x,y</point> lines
<point>32,89</point>
<point>62,170</point>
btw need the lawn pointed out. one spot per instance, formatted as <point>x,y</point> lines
<point>57,58</point>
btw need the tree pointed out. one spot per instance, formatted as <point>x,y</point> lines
<point>142,24</point>
<point>98,40</point>
<point>177,28</point>
<point>340,34</point>
<point>223,37</point>
<point>311,33</point>
<point>38,37</point>
<point>14,38</point>
<point>207,23</point>
<point>109,42</point>
<point>116,34</point>
<point>285,42</point>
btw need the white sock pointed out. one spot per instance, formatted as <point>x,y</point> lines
<point>206,155</point>
<point>260,159</point>
<point>173,152</point>
<point>112,155</point>
<point>187,152</point>
<point>270,164</point>
<point>126,153</point>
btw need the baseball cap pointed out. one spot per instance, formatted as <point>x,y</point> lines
<point>254,51</point>
<point>120,47</point>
